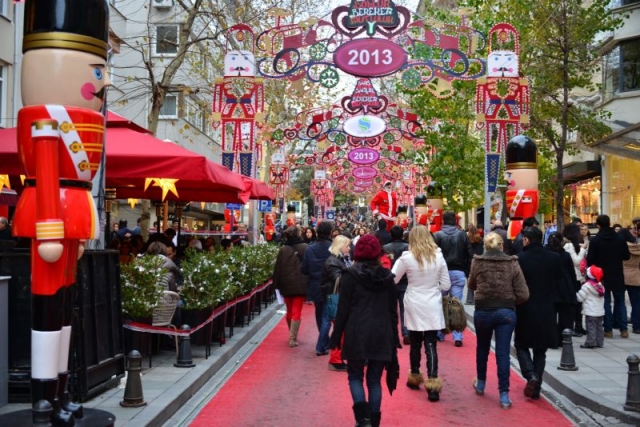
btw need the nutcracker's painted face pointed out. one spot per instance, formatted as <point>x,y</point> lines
<point>239,63</point>
<point>64,77</point>
<point>502,63</point>
<point>521,179</point>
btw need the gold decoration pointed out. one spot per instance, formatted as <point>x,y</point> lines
<point>4,182</point>
<point>166,184</point>
<point>132,202</point>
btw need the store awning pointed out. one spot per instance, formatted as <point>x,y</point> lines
<point>259,190</point>
<point>623,141</point>
<point>132,157</point>
<point>581,171</point>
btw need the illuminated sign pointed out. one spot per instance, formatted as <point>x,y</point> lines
<point>363,156</point>
<point>364,126</point>
<point>370,57</point>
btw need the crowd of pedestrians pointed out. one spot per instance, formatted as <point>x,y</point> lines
<point>391,284</point>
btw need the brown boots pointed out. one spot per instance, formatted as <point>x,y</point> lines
<point>433,387</point>
<point>294,327</point>
<point>414,381</point>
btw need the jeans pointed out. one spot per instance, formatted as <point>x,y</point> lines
<point>618,318</point>
<point>634,298</point>
<point>404,329</point>
<point>502,321</point>
<point>532,367</point>
<point>457,288</point>
<point>319,306</point>
<point>355,373</point>
<point>323,337</point>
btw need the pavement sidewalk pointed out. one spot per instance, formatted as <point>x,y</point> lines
<point>593,394</point>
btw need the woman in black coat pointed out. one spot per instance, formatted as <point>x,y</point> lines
<point>565,298</point>
<point>289,280</point>
<point>368,316</point>
<point>536,325</point>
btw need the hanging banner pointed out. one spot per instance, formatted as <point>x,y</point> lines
<point>492,170</point>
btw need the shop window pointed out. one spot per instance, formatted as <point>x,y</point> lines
<point>621,68</point>
<point>169,109</point>
<point>166,40</point>
<point>3,7</point>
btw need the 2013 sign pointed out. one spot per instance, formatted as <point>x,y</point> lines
<point>363,156</point>
<point>370,57</point>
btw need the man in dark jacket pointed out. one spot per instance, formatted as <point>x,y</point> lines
<point>458,253</point>
<point>536,324</point>
<point>313,266</point>
<point>517,242</point>
<point>382,232</point>
<point>394,250</point>
<point>608,250</point>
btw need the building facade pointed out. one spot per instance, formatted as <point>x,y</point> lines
<point>606,178</point>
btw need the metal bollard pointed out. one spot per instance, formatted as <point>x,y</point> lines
<point>567,359</point>
<point>633,385</point>
<point>133,397</point>
<point>184,350</point>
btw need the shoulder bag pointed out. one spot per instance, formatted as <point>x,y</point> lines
<point>332,301</point>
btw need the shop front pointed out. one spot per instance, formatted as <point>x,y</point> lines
<point>621,190</point>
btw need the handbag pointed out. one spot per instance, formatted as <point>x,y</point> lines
<point>454,315</point>
<point>332,301</point>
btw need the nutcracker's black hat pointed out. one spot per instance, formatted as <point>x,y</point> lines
<point>522,153</point>
<point>81,25</point>
<point>403,209</point>
<point>420,200</point>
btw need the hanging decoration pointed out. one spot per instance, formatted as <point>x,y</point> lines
<point>238,103</point>
<point>372,40</point>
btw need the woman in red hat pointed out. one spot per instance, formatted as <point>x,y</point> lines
<point>368,317</point>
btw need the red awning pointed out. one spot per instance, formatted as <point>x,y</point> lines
<point>134,156</point>
<point>259,190</point>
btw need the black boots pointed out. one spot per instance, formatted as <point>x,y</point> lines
<point>46,405</point>
<point>363,414</point>
<point>433,385</point>
<point>375,418</point>
<point>65,398</point>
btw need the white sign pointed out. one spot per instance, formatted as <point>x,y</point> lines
<point>277,158</point>
<point>320,174</point>
<point>364,126</point>
<point>331,214</point>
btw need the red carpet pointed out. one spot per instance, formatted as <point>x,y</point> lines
<point>282,386</point>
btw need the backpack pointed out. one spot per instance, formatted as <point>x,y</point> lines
<point>454,315</point>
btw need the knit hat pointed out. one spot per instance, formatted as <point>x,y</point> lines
<point>595,273</point>
<point>368,248</point>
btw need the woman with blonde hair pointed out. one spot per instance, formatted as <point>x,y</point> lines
<point>428,277</point>
<point>499,285</point>
<point>334,266</point>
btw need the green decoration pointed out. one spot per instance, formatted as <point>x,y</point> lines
<point>388,137</point>
<point>329,78</point>
<point>318,51</point>
<point>278,134</point>
<point>411,79</point>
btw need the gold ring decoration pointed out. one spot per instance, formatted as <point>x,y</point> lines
<point>50,230</point>
<point>70,41</point>
<point>522,165</point>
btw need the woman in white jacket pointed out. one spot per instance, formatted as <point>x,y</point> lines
<point>428,277</point>
<point>577,248</point>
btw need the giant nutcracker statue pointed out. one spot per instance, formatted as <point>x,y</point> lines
<point>385,204</point>
<point>435,205</point>
<point>60,142</point>
<point>522,181</point>
<point>238,103</point>
<point>270,222</point>
<point>421,210</point>
<point>403,217</point>
<point>502,97</point>
<point>291,215</point>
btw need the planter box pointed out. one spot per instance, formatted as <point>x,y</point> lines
<point>97,357</point>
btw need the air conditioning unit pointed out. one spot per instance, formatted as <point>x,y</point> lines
<point>162,4</point>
